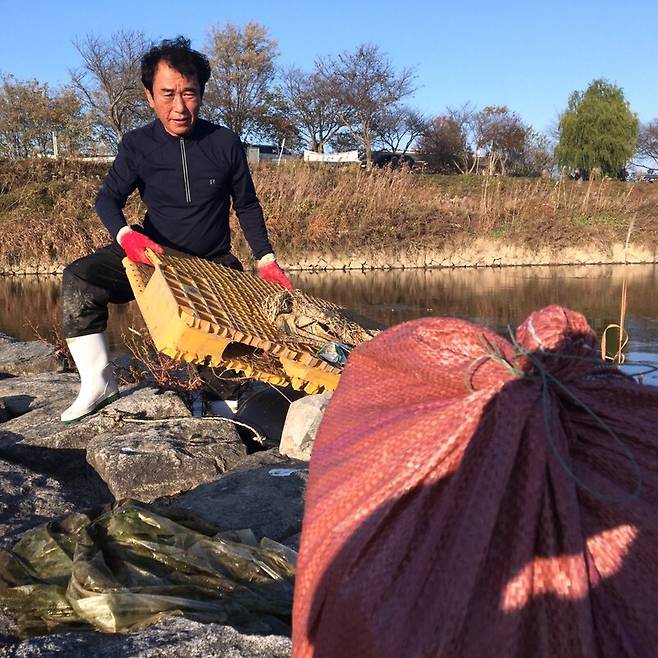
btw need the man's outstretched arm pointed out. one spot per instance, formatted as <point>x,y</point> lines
<point>250,214</point>
<point>118,185</point>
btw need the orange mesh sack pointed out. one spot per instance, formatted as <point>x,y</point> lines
<point>471,498</point>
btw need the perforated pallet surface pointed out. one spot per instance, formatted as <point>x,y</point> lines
<point>205,313</point>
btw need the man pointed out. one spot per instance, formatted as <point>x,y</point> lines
<point>187,171</point>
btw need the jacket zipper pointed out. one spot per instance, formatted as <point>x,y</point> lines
<point>186,178</point>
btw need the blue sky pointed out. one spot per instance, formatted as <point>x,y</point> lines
<point>526,55</point>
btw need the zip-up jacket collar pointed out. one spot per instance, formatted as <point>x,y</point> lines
<point>188,185</point>
<point>199,130</point>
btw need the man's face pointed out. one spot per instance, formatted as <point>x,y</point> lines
<point>176,99</point>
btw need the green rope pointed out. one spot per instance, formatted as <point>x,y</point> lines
<point>548,379</point>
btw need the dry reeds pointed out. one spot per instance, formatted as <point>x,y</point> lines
<point>147,364</point>
<point>47,214</point>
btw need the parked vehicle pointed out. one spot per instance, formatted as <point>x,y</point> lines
<point>650,176</point>
<point>383,159</point>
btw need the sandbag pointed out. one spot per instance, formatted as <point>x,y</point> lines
<point>473,497</point>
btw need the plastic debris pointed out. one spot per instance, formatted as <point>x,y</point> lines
<point>123,567</point>
<point>334,353</point>
<point>285,472</point>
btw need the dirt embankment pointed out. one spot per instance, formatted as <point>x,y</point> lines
<point>321,217</point>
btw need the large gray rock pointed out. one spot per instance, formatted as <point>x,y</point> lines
<point>36,402</point>
<point>43,470</point>
<point>170,638</point>
<point>165,458</point>
<point>264,493</point>
<point>40,391</point>
<point>28,498</point>
<point>301,426</point>
<point>29,358</point>
<point>38,440</point>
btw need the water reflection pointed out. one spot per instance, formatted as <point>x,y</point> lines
<point>30,306</point>
<point>492,297</point>
<point>499,297</point>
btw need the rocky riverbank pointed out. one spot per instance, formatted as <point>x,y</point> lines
<point>478,252</point>
<point>147,447</point>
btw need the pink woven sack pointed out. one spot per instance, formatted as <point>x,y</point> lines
<point>468,497</point>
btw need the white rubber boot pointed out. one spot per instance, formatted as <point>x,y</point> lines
<point>97,384</point>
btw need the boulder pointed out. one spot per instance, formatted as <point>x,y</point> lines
<point>265,493</point>
<point>35,437</point>
<point>28,498</point>
<point>264,407</point>
<point>36,402</point>
<point>170,638</point>
<point>40,391</point>
<point>293,541</point>
<point>148,461</point>
<point>301,426</point>
<point>29,358</point>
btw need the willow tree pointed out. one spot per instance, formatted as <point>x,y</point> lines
<point>598,131</point>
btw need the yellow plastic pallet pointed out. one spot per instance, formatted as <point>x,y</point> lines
<point>205,313</point>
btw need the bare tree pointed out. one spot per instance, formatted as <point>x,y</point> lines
<point>109,82</point>
<point>239,94</point>
<point>647,141</point>
<point>364,84</point>
<point>536,158</point>
<point>344,140</point>
<point>444,145</point>
<point>399,127</point>
<point>462,118</point>
<point>311,107</point>
<point>279,126</point>
<point>501,133</point>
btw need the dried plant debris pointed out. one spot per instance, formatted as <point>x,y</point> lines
<point>314,321</point>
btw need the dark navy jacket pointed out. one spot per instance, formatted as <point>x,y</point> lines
<point>187,184</point>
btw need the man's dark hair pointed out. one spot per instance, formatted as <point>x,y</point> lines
<point>178,54</point>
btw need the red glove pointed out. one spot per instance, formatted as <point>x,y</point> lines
<point>134,243</point>
<point>271,272</point>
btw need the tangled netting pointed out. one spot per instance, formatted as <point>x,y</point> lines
<point>473,497</point>
<point>314,320</point>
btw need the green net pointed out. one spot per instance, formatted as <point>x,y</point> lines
<point>126,566</point>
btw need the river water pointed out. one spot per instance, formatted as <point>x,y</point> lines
<point>496,298</point>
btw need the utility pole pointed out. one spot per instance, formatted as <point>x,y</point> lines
<point>283,142</point>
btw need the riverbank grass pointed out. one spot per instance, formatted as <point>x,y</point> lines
<point>331,215</point>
